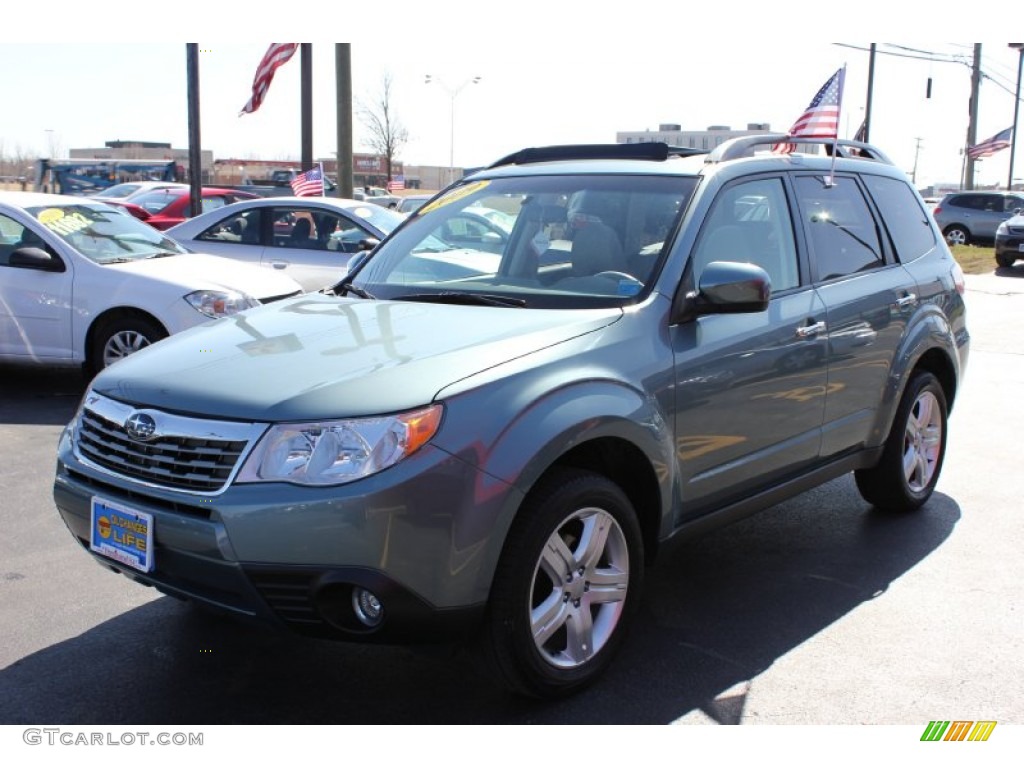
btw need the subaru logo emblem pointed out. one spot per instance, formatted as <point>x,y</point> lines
<point>140,426</point>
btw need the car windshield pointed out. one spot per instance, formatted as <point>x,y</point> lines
<point>156,200</point>
<point>105,234</point>
<point>383,219</point>
<point>119,190</point>
<point>540,241</point>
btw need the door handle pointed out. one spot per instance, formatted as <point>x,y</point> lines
<point>807,331</point>
<point>910,300</point>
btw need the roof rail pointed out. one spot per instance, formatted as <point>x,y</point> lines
<point>644,151</point>
<point>743,146</point>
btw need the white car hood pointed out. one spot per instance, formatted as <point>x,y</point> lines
<point>198,271</point>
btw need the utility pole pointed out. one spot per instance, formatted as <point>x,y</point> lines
<point>917,151</point>
<point>972,124</point>
<point>1016,110</point>
<point>306,99</point>
<point>195,154</point>
<point>871,85</point>
<point>343,77</point>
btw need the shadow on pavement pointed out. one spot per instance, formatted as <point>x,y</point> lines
<point>39,395</point>
<point>719,611</point>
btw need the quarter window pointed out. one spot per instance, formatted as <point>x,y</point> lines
<point>842,232</point>
<point>908,223</point>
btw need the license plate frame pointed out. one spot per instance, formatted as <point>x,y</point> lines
<point>121,533</point>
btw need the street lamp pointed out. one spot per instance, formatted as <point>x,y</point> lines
<point>1016,109</point>
<point>452,93</point>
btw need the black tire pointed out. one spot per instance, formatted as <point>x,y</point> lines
<point>957,235</point>
<point>119,336</point>
<point>1005,260</point>
<point>905,477</point>
<point>563,511</point>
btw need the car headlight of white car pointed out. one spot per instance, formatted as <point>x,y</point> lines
<point>1002,229</point>
<point>220,303</point>
<point>336,452</point>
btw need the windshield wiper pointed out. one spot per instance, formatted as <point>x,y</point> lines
<point>345,286</point>
<point>456,297</point>
<point>162,254</point>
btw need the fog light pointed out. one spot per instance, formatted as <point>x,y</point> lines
<point>367,607</point>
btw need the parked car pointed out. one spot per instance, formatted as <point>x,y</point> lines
<point>163,208</point>
<point>312,239</point>
<point>129,189</point>
<point>493,452</point>
<point>377,196</point>
<point>966,218</point>
<point>410,203</point>
<point>1010,240</point>
<point>84,282</point>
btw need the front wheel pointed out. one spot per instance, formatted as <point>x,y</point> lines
<point>566,586</point>
<point>120,336</point>
<point>1006,260</point>
<point>906,475</point>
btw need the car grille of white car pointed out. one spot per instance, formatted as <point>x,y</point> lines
<point>184,453</point>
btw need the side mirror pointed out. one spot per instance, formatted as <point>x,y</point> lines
<point>35,258</point>
<point>726,287</point>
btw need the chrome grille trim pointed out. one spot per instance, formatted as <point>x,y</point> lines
<point>197,456</point>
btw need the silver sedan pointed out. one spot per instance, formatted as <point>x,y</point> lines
<point>311,238</point>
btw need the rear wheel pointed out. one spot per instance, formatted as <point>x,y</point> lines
<point>566,586</point>
<point>909,468</point>
<point>957,235</point>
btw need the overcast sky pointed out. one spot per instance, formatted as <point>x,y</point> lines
<point>550,73</point>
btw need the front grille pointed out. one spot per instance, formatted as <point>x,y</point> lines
<point>195,464</point>
<point>198,456</point>
<point>288,594</point>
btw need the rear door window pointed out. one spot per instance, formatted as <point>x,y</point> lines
<point>842,232</point>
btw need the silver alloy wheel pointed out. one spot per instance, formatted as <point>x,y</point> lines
<point>922,441</point>
<point>579,588</point>
<point>956,236</point>
<point>122,344</point>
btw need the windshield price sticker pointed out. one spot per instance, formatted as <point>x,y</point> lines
<point>63,223</point>
<point>455,194</point>
<point>122,534</point>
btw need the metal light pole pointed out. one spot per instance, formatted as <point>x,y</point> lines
<point>452,93</point>
<point>1016,110</point>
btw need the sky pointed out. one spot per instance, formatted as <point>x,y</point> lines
<point>549,74</point>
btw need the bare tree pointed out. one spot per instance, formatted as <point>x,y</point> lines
<point>387,134</point>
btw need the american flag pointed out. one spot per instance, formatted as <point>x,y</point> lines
<point>990,146</point>
<point>276,55</point>
<point>310,183</point>
<point>396,183</point>
<point>821,118</point>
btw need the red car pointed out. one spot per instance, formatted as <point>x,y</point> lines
<point>163,208</point>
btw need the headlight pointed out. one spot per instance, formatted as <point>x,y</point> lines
<point>1002,229</point>
<point>220,303</point>
<point>336,452</point>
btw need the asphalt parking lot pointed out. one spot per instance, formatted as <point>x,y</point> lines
<point>818,611</point>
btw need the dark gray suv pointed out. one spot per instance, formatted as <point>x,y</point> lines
<point>490,445</point>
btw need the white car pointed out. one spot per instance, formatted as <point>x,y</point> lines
<point>312,239</point>
<point>85,282</point>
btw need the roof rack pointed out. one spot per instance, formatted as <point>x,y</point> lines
<point>646,151</point>
<point>743,146</point>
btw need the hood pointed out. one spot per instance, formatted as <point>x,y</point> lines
<point>318,357</point>
<point>196,271</point>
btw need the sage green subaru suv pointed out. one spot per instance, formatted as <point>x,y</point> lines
<point>489,442</point>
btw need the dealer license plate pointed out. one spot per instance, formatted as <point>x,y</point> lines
<point>122,533</point>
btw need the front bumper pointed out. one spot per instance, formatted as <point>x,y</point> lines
<point>416,536</point>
